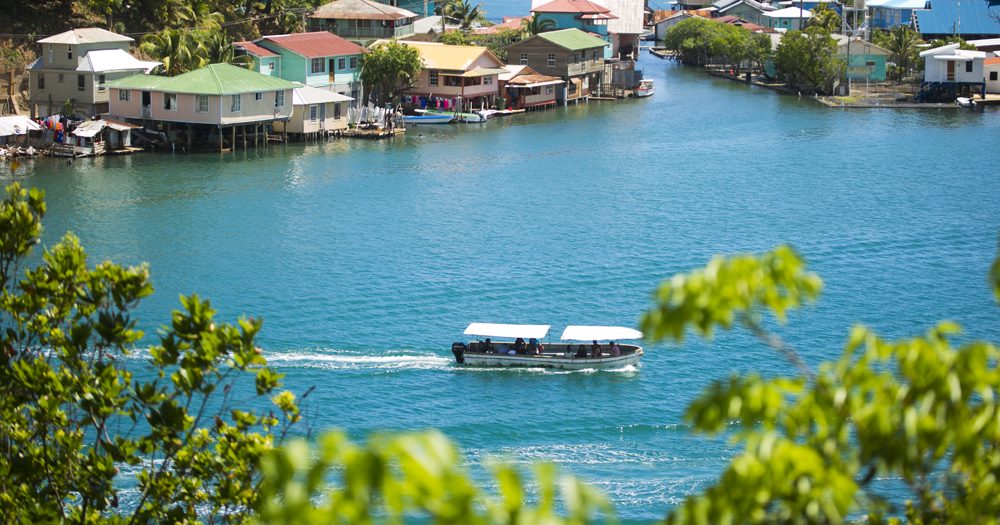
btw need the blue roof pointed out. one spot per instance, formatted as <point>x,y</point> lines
<point>977,17</point>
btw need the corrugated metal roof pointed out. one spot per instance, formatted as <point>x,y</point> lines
<point>572,39</point>
<point>628,15</point>
<point>361,10</point>
<point>304,95</point>
<point>451,58</point>
<point>101,60</point>
<point>213,79</point>
<point>316,44</point>
<point>254,49</point>
<point>571,6</point>
<point>991,61</point>
<point>788,12</point>
<point>85,35</point>
<point>977,18</point>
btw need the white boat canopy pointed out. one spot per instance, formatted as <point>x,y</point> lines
<point>537,331</point>
<point>599,333</point>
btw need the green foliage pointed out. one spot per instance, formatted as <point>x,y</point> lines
<point>698,41</point>
<point>824,19</point>
<point>409,475</point>
<point>464,13</point>
<point>182,50</point>
<point>388,69</point>
<point>920,410</point>
<point>534,25</point>
<point>72,413</point>
<point>496,42</point>
<point>808,60</point>
<point>903,42</point>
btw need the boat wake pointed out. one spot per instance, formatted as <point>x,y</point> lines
<point>332,359</point>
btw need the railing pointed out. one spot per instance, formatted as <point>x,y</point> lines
<point>373,32</point>
<point>146,112</point>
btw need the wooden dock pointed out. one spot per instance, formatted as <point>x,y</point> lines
<point>374,133</point>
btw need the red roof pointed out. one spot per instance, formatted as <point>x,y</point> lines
<point>993,60</point>
<point>571,6</point>
<point>509,22</point>
<point>314,45</point>
<point>254,49</point>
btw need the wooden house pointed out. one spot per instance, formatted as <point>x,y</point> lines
<point>525,88</point>
<point>865,60</point>
<point>315,112</point>
<point>76,66</point>
<point>991,68</point>
<point>663,24</point>
<point>463,76</point>
<point>362,21</point>
<point>749,10</point>
<point>789,18</point>
<point>207,105</point>
<point>584,15</point>
<point>573,55</point>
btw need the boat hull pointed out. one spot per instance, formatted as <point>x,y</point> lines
<point>427,119</point>
<point>644,92</point>
<point>551,361</point>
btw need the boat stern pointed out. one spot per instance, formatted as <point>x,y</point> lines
<point>459,350</point>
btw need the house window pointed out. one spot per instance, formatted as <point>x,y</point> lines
<point>170,101</point>
<point>336,111</point>
<point>60,78</point>
<point>201,103</point>
<point>270,66</point>
<point>968,67</point>
<point>548,90</point>
<point>69,52</point>
<point>354,62</point>
<point>51,53</point>
<point>317,65</point>
<point>313,113</point>
<point>234,107</point>
<point>432,77</point>
<point>341,63</point>
<point>993,75</point>
<point>597,56</point>
<point>524,59</point>
<point>552,60</point>
<point>80,83</point>
<point>124,95</point>
<point>100,82</point>
<point>488,80</point>
<point>41,81</point>
<point>258,96</point>
<point>279,99</point>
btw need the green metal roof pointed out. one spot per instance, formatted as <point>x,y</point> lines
<point>213,79</point>
<point>573,39</point>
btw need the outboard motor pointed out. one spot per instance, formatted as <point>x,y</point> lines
<point>459,350</point>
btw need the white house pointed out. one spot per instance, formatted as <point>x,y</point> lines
<point>949,64</point>
<point>789,18</point>
<point>661,26</point>
<point>315,111</point>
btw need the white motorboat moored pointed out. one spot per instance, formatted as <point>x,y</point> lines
<point>522,347</point>
<point>645,89</point>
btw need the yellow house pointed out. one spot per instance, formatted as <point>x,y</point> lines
<point>462,76</point>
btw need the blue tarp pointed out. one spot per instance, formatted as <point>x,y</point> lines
<point>978,18</point>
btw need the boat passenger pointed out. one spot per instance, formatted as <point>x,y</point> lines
<point>615,349</point>
<point>596,349</point>
<point>519,347</point>
<point>534,347</point>
<point>581,351</point>
<point>487,347</point>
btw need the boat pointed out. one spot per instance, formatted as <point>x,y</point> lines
<point>457,116</point>
<point>577,341</point>
<point>965,102</point>
<point>645,89</point>
<point>427,119</point>
<point>487,113</point>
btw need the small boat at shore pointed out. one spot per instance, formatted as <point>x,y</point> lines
<point>514,352</point>
<point>965,102</point>
<point>455,115</point>
<point>645,89</point>
<point>427,119</point>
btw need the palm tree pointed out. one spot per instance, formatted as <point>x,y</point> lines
<point>534,25</point>
<point>218,49</point>
<point>825,19</point>
<point>902,42</point>
<point>175,50</point>
<point>464,13</point>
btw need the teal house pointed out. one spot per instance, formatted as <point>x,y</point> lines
<point>578,14</point>
<point>319,59</point>
<point>865,60</point>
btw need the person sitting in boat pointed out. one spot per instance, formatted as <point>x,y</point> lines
<point>615,349</point>
<point>487,347</point>
<point>581,351</point>
<point>519,347</point>
<point>596,349</point>
<point>533,346</point>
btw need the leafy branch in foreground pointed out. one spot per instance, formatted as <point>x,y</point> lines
<point>418,474</point>
<point>919,410</point>
<point>74,412</point>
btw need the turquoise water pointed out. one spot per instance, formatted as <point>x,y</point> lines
<point>367,259</point>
